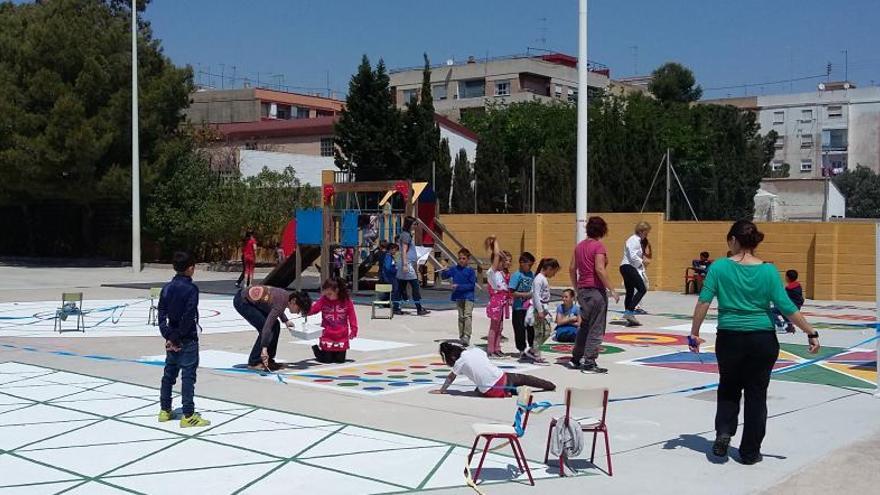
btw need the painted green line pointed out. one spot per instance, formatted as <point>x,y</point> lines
<point>435,468</point>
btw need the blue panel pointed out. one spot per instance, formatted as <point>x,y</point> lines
<point>349,229</point>
<point>308,226</point>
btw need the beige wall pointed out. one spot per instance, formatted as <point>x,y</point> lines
<point>835,260</point>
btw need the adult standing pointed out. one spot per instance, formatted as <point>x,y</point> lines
<point>632,269</point>
<point>263,306</point>
<point>407,270</point>
<point>589,274</point>
<point>746,345</point>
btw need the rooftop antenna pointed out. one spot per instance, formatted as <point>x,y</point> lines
<point>542,39</point>
<point>233,77</point>
<point>222,76</point>
<point>635,54</point>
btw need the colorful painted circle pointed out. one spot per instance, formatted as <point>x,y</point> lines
<point>347,384</point>
<point>373,389</point>
<point>322,380</point>
<point>396,370</point>
<point>373,373</point>
<point>567,348</point>
<point>421,373</point>
<point>398,384</point>
<point>397,377</point>
<point>418,366</point>
<point>645,338</point>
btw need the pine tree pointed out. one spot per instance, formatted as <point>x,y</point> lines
<point>367,134</point>
<point>462,185</point>
<point>442,174</point>
<point>420,141</point>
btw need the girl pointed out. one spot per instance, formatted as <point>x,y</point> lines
<point>497,309</point>
<point>490,380</point>
<point>547,269</point>
<point>568,317</point>
<point>338,320</point>
<point>249,257</point>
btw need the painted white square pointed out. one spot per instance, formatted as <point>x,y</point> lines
<point>9,407</point>
<point>109,432</point>
<point>19,472</point>
<point>9,378</point>
<point>8,399</point>
<point>97,459</point>
<point>19,368</point>
<point>65,378</point>
<point>203,481</point>
<point>15,436</point>
<point>280,443</point>
<point>362,345</point>
<point>42,413</point>
<point>129,390</point>
<point>41,489</point>
<point>43,392</point>
<point>193,454</point>
<point>283,419</point>
<point>407,467</point>
<point>109,407</point>
<point>354,439</point>
<point>211,359</point>
<point>298,478</point>
<point>96,488</point>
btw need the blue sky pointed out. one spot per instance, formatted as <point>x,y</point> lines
<point>726,43</point>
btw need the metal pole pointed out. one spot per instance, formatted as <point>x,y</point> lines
<point>582,167</point>
<point>877,296</point>
<point>135,151</point>
<point>533,184</point>
<point>668,186</point>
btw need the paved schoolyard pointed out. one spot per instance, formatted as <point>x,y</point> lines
<point>76,410</point>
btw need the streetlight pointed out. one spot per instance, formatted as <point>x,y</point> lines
<point>581,180</point>
<point>135,151</point>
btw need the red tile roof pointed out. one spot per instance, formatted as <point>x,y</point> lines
<point>320,126</point>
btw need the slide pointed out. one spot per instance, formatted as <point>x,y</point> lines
<point>284,274</point>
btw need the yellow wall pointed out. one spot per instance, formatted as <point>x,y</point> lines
<point>835,260</point>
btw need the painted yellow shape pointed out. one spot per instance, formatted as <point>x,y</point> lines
<point>790,357</point>
<point>418,187</point>
<point>869,376</point>
<point>386,197</point>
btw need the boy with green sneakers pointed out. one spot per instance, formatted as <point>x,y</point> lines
<point>178,311</point>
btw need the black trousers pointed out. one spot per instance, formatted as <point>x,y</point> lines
<point>517,380</point>
<point>635,287</point>
<point>522,334</point>
<point>327,357</point>
<point>257,318</point>
<point>745,360</point>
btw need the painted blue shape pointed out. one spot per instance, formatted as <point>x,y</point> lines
<point>349,229</point>
<point>308,226</point>
<point>681,357</point>
<point>398,384</point>
<point>373,389</point>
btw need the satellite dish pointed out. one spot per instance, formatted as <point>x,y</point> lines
<point>821,86</point>
<point>450,62</point>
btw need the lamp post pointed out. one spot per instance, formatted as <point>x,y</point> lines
<point>581,179</point>
<point>135,151</point>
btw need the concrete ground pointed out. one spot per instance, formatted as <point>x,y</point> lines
<point>823,431</point>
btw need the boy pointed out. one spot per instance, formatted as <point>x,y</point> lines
<point>464,279</point>
<point>521,290</point>
<point>178,311</point>
<point>796,294</point>
<point>474,364</point>
<point>388,272</point>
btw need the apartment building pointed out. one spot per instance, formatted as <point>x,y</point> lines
<point>820,133</point>
<point>461,87</point>
<point>224,106</point>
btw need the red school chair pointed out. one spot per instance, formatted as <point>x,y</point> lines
<point>581,398</point>
<point>493,431</point>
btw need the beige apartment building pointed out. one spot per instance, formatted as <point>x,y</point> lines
<point>225,106</point>
<point>461,87</point>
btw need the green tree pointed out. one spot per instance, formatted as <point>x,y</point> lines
<point>861,188</point>
<point>462,185</point>
<point>442,175</point>
<point>368,132</point>
<point>420,138</point>
<point>673,82</point>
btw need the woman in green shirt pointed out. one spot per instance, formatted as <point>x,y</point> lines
<point>746,345</point>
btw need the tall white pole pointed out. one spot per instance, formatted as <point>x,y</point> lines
<point>581,180</point>
<point>135,151</point>
<point>877,296</point>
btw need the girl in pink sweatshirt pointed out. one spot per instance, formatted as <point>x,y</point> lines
<point>338,320</point>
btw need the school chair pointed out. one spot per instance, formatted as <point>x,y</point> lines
<point>584,399</point>
<point>693,281</point>
<point>382,290</point>
<point>153,315</point>
<point>71,304</point>
<point>494,431</point>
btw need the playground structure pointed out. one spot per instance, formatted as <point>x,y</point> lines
<point>356,216</point>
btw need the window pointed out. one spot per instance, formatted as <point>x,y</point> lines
<point>502,88</point>
<point>834,139</point>
<point>302,113</point>
<point>439,91</point>
<point>780,142</point>
<point>282,112</point>
<point>806,165</point>
<point>779,117</point>
<point>806,140</point>
<point>473,88</point>
<point>776,166</point>
<point>835,112</point>
<point>264,110</point>
<point>323,113</point>
<point>572,95</point>
<point>326,146</point>
<point>410,95</point>
<point>806,115</point>
<point>557,91</point>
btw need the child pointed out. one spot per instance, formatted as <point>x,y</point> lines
<point>473,363</point>
<point>497,308</point>
<point>279,254</point>
<point>568,318</point>
<point>521,292</point>
<point>464,279</point>
<point>547,269</point>
<point>338,319</point>
<point>249,257</point>
<point>796,294</point>
<point>388,272</point>
<point>262,306</point>
<point>178,322</point>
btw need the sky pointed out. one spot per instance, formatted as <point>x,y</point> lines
<point>734,47</point>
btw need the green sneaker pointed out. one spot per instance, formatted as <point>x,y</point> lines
<point>193,421</point>
<point>165,416</point>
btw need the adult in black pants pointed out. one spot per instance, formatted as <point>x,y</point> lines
<point>746,345</point>
<point>632,269</point>
<point>263,307</point>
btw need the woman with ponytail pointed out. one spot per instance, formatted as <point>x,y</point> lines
<point>745,345</point>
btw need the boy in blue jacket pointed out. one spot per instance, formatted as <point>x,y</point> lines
<point>464,280</point>
<point>178,311</point>
<point>388,271</point>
